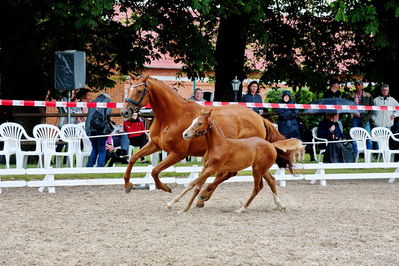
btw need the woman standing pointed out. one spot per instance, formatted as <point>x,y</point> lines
<point>253,96</point>
<point>287,118</point>
<point>97,123</point>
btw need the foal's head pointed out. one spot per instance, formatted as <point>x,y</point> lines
<point>138,95</point>
<point>199,126</point>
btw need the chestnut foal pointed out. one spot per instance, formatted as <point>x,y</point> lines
<point>232,155</point>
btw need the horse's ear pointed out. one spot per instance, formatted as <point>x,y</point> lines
<point>206,112</point>
<point>133,76</point>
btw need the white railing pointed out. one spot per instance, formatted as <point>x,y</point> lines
<point>50,182</point>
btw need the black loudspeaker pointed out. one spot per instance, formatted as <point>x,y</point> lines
<point>70,70</point>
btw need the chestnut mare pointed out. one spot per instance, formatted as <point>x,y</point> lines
<point>232,155</point>
<point>173,114</point>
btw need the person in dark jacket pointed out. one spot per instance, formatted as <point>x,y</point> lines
<point>333,91</point>
<point>287,118</point>
<point>253,96</point>
<point>98,144</point>
<point>329,129</point>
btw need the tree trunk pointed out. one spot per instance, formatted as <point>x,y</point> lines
<point>21,71</point>
<point>230,55</point>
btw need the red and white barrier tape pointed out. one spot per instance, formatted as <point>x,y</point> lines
<point>258,105</point>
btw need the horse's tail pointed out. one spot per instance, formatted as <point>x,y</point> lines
<point>285,152</point>
<point>272,133</point>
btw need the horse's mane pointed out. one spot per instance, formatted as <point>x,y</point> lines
<point>217,127</point>
<point>167,87</point>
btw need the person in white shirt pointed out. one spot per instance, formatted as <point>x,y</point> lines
<point>384,118</point>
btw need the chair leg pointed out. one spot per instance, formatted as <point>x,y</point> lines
<point>40,161</point>
<point>20,160</point>
<point>7,160</point>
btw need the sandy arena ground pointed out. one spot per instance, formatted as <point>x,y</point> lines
<point>350,223</point>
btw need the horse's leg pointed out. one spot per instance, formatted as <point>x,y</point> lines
<point>199,180</point>
<point>197,190</point>
<point>171,159</point>
<point>147,149</point>
<point>208,191</point>
<point>271,181</point>
<point>258,185</point>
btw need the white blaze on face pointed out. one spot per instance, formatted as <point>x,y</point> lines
<point>189,128</point>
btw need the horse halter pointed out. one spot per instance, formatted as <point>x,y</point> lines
<point>137,104</point>
<point>202,132</point>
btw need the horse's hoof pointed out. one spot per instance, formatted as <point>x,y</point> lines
<point>166,188</point>
<point>200,204</point>
<point>241,210</point>
<point>128,187</point>
<point>168,207</point>
<point>203,197</point>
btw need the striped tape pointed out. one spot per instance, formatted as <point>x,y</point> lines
<point>258,105</point>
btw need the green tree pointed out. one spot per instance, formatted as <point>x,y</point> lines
<point>37,29</point>
<point>379,22</point>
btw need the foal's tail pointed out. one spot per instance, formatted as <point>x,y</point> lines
<point>285,152</point>
<point>285,147</point>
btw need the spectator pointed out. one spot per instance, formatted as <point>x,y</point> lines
<point>329,129</point>
<point>198,96</point>
<point>362,120</point>
<point>120,140</point>
<point>83,95</point>
<point>137,138</point>
<point>112,154</point>
<point>384,118</point>
<point>97,123</point>
<point>252,96</point>
<point>333,90</point>
<point>287,118</point>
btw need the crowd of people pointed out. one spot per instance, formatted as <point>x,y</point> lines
<point>115,149</point>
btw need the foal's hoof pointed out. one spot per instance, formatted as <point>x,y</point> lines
<point>128,187</point>
<point>200,204</point>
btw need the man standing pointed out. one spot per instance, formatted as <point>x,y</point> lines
<point>384,118</point>
<point>362,120</point>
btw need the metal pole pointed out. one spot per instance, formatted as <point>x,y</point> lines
<point>68,108</point>
<point>194,85</point>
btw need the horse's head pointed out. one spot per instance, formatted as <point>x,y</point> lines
<point>138,95</point>
<point>199,126</point>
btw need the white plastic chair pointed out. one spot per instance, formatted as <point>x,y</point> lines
<point>5,152</point>
<point>361,135</point>
<point>392,152</point>
<point>85,151</point>
<point>73,135</point>
<point>381,135</point>
<point>315,138</point>
<point>13,134</point>
<point>48,136</point>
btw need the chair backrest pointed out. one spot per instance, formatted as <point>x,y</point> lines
<point>48,136</point>
<point>72,134</point>
<point>360,135</point>
<point>85,140</point>
<point>381,135</point>
<point>12,133</point>
<point>314,133</point>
